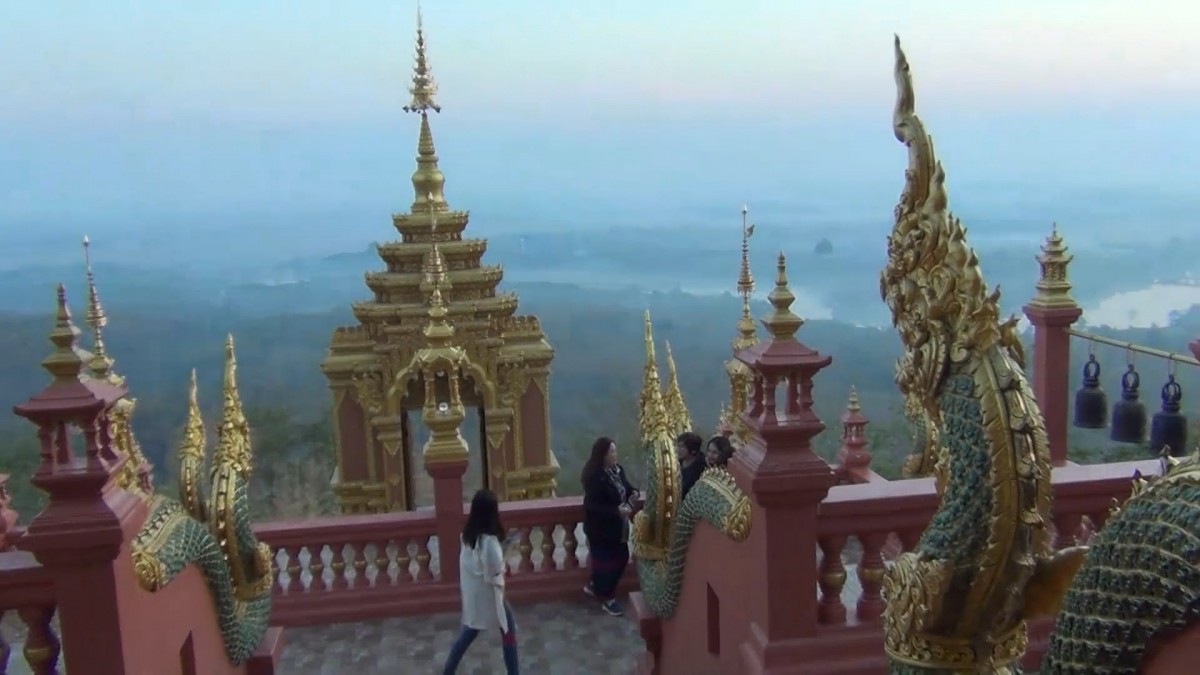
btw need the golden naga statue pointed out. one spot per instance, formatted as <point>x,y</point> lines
<point>216,535</point>
<point>958,602</point>
<point>662,530</point>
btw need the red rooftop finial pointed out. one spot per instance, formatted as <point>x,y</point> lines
<point>854,456</point>
<point>73,398</point>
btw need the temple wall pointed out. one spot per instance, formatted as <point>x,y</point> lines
<point>713,618</point>
<point>173,631</point>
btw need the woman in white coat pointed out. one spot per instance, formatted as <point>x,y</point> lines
<point>481,571</point>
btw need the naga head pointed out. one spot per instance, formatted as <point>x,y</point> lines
<point>932,283</point>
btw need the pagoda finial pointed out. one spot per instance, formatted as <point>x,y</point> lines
<point>64,363</point>
<point>1053,288</point>
<point>428,180</point>
<point>853,455</point>
<point>101,363</point>
<point>678,417</point>
<point>652,421</point>
<point>424,88</point>
<point>747,333</point>
<point>782,323</point>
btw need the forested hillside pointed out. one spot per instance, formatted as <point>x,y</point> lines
<point>595,381</point>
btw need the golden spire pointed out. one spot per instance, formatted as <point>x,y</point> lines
<point>233,438</point>
<point>428,180</point>
<point>747,334</point>
<point>439,332</point>
<point>678,417</point>
<point>100,363</point>
<point>64,363</point>
<point>782,323</point>
<point>652,414</point>
<point>434,264</point>
<point>1053,288</point>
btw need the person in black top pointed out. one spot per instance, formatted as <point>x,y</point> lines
<point>607,507</point>
<point>718,451</point>
<point>689,448</point>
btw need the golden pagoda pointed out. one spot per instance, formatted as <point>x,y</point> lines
<point>509,358</point>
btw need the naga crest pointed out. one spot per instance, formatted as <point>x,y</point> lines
<point>932,282</point>
<point>662,531</point>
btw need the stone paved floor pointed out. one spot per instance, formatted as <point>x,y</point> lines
<point>554,638</point>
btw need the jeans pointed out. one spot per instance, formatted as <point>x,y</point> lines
<point>507,640</point>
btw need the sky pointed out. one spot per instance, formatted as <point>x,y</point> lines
<point>110,106</point>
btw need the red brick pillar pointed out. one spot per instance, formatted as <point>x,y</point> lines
<point>447,475</point>
<point>786,482</point>
<point>79,536</point>
<point>1052,311</point>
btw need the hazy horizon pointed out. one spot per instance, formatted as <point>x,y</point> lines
<point>120,110</point>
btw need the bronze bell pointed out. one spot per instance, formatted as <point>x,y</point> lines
<point>1129,414</point>
<point>1169,428</point>
<point>1091,403</point>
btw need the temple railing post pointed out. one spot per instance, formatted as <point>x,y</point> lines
<point>79,536</point>
<point>786,481</point>
<point>1052,312</point>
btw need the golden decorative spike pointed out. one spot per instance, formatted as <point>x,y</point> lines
<point>652,414</point>
<point>64,363</point>
<point>439,331</point>
<point>193,443</point>
<point>233,438</point>
<point>428,180</point>
<point>782,323</point>
<point>747,334</point>
<point>101,363</point>
<point>678,418</point>
<point>739,373</point>
<point>433,269</point>
<point>191,457</point>
<point>1053,288</point>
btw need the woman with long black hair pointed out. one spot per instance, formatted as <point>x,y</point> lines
<point>481,572</point>
<point>718,452</point>
<point>607,506</point>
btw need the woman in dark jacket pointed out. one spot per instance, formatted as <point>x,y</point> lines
<point>607,506</point>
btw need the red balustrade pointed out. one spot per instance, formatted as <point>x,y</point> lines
<point>353,568</point>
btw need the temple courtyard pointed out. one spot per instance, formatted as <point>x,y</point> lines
<point>553,638</point>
